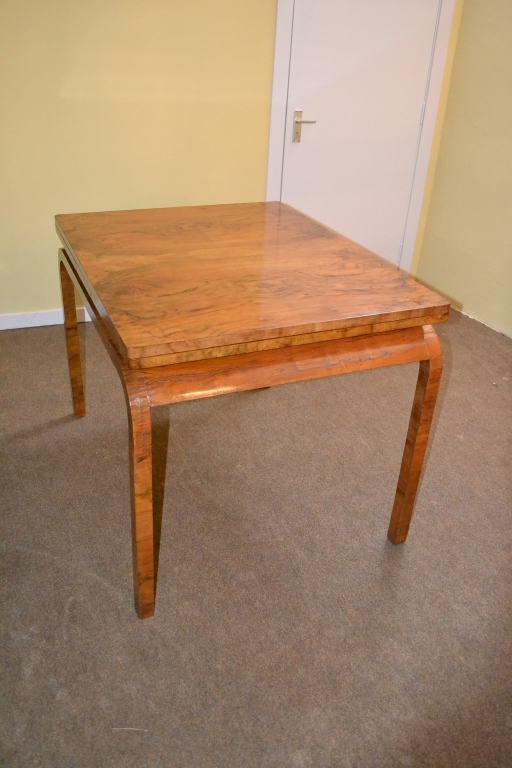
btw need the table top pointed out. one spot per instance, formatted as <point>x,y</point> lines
<point>176,284</point>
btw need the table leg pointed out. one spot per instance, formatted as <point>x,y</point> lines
<point>141,481</point>
<point>72,341</point>
<point>417,437</point>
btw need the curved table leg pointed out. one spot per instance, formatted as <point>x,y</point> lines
<point>424,402</point>
<point>140,438</point>
<point>72,341</point>
<point>141,482</point>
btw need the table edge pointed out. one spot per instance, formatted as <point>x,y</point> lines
<point>147,355</point>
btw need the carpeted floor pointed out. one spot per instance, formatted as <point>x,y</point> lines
<point>288,631</point>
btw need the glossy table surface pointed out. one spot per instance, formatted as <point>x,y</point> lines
<point>184,284</point>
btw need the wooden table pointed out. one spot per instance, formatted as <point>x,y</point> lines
<point>200,301</point>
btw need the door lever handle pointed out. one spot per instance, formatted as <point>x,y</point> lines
<point>298,122</point>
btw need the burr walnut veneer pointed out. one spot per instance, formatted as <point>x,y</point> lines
<point>200,301</point>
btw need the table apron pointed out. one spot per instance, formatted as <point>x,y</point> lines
<point>217,376</point>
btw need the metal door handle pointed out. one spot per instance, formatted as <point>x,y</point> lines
<point>298,122</point>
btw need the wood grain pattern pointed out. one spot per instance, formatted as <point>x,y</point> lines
<point>72,340</point>
<point>139,417</point>
<point>140,445</point>
<point>178,284</point>
<point>427,386</point>
<point>277,343</point>
<point>198,302</point>
<point>219,376</point>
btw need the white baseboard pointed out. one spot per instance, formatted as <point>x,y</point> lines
<point>34,319</point>
<point>488,325</point>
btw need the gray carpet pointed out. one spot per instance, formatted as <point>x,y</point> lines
<point>288,631</point>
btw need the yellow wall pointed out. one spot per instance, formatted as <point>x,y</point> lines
<point>466,250</point>
<point>128,104</point>
<point>124,104</point>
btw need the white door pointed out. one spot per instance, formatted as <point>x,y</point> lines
<point>362,69</point>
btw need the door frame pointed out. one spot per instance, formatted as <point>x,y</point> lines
<point>279,107</point>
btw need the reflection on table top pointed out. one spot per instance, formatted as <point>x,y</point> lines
<point>179,284</point>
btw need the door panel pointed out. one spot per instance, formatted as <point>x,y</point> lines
<point>360,69</point>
